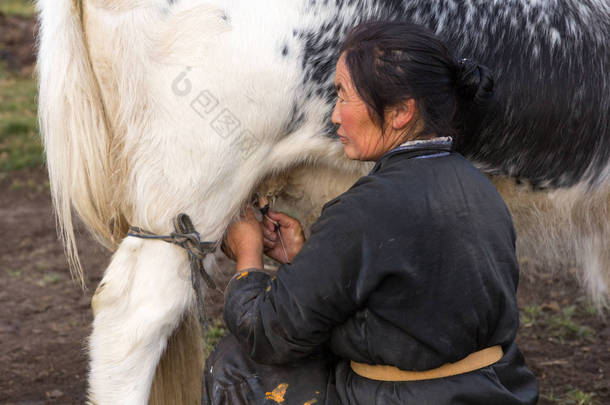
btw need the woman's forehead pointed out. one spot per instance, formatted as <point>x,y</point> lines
<point>343,80</point>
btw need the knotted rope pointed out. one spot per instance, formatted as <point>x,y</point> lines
<point>188,238</point>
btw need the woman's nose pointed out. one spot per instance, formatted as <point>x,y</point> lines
<point>336,117</point>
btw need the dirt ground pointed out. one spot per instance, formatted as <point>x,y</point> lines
<point>45,318</point>
<point>17,43</point>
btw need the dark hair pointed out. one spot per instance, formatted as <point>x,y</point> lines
<point>391,62</point>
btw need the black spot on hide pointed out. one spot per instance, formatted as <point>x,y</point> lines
<point>297,117</point>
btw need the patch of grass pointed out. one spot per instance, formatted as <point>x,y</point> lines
<point>563,326</point>
<point>19,8</point>
<point>20,145</point>
<point>212,335</point>
<point>30,185</point>
<point>560,324</point>
<point>530,315</point>
<point>578,397</point>
<point>14,273</point>
<point>587,307</point>
<point>573,396</point>
<point>50,278</point>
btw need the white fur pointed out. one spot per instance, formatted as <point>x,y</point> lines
<point>145,291</point>
<point>69,103</point>
<point>137,153</point>
<point>126,147</point>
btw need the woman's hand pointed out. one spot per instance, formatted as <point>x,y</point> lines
<point>292,236</point>
<point>244,242</point>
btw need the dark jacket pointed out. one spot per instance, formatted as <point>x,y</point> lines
<point>414,266</point>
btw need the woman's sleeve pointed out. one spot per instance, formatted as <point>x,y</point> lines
<point>290,316</point>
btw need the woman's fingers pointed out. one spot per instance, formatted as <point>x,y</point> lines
<point>283,236</point>
<point>282,219</point>
<point>268,244</point>
<point>269,224</point>
<point>270,234</point>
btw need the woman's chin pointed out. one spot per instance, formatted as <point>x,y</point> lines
<point>350,153</point>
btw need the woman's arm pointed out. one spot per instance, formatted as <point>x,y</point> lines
<point>291,316</point>
<point>244,242</point>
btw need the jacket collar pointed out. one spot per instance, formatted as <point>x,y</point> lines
<point>421,148</point>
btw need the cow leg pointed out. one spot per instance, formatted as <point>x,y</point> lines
<point>591,236</point>
<point>140,301</point>
<point>564,228</point>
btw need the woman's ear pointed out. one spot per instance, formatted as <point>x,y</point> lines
<point>403,114</point>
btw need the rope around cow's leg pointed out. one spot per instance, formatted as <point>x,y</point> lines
<point>186,236</point>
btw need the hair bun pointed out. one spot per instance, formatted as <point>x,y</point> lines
<point>473,82</point>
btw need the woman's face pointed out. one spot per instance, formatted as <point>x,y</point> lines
<point>361,138</point>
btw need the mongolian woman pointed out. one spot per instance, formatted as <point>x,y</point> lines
<point>405,291</point>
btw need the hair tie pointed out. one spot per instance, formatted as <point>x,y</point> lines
<point>473,81</point>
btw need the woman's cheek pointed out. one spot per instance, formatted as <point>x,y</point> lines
<point>351,130</point>
<point>347,123</point>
